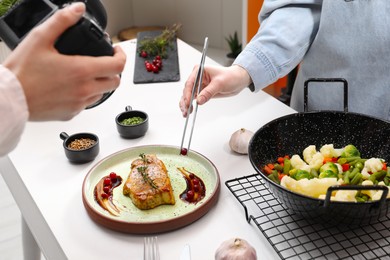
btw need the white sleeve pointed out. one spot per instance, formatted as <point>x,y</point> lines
<point>13,111</point>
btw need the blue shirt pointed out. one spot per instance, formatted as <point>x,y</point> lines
<point>347,39</point>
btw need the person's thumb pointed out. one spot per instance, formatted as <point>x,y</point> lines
<point>61,20</point>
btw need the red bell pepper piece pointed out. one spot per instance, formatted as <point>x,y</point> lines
<point>345,167</point>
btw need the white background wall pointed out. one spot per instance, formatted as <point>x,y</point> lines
<point>215,19</point>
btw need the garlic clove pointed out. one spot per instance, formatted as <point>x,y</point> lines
<point>239,141</point>
<point>235,249</point>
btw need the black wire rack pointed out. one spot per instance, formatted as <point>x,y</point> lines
<point>294,237</point>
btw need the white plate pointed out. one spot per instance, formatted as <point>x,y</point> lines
<point>164,217</point>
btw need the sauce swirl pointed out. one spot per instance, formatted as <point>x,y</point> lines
<point>195,190</point>
<point>103,192</point>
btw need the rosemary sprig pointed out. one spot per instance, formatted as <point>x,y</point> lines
<point>159,44</point>
<point>143,171</point>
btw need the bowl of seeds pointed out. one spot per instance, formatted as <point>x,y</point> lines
<point>132,123</point>
<point>80,147</point>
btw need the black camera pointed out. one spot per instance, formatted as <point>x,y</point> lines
<point>87,37</point>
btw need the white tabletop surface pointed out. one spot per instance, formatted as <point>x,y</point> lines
<point>48,187</point>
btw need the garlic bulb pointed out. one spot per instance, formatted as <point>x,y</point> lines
<point>235,249</point>
<point>239,141</point>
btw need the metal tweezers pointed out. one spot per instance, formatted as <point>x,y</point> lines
<point>196,88</point>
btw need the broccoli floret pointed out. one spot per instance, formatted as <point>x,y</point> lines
<point>350,151</point>
<point>301,174</point>
<point>327,174</point>
<point>329,166</point>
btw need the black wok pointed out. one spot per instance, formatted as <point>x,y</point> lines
<point>291,134</point>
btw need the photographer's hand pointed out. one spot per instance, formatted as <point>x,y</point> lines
<point>56,86</point>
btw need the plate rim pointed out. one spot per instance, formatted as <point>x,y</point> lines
<point>152,226</point>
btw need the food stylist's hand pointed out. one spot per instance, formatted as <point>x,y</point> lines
<point>56,86</point>
<point>217,81</point>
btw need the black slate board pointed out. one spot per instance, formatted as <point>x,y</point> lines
<point>170,70</point>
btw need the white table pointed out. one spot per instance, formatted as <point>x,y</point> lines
<point>47,188</point>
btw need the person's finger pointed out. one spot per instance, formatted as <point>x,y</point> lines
<point>102,66</point>
<point>92,100</point>
<point>60,21</point>
<point>206,94</point>
<point>187,91</point>
<point>103,85</point>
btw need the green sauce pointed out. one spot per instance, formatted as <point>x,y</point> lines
<point>132,120</point>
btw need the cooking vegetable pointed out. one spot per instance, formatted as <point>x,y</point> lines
<point>301,174</point>
<point>372,165</point>
<point>350,151</point>
<point>235,249</point>
<point>329,166</point>
<point>239,141</point>
<point>313,179</point>
<point>309,152</point>
<point>329,151</point>
<point>298,163</point>
<point>328,174</point>
<point>313,187</point>
<point>312,157</point>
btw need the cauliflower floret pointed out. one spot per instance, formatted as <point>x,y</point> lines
<point>308,153</point>
<point>313,187</point>
<point>383,184</point>
<point>370,193</point>
<point>298,163</point>
<point>323,197</point>
<point>317,161</point>
<point>329,151</point>
<point>345,195</point>
<point>374,194</point>
<point>365,174</point>
<point>371,165</point>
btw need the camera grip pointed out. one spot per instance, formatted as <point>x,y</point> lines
<point>84,38</point>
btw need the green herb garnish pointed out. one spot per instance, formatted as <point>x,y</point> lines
<point>143,171</point>
<point>159,44</point>
<point>132,120</point>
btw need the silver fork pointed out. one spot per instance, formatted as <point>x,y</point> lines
<point>151,251</point>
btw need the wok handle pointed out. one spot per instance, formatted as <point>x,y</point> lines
<point>327,80</point>
<point>356,187</point>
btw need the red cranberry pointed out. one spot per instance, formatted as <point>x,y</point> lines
<point>155,69</point>
<point>113,176</point>
<point>149,66</point>
<point>107,181</point>
<point>196,187</point>
<point>184,151</point>
<point>190,194</point>
<point>106,189</point>
<point>104,195</point>
<point>144,54</point>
